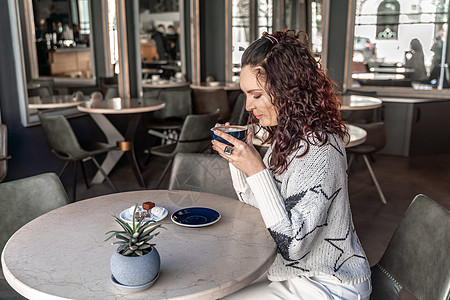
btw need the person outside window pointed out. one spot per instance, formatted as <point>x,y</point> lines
<point>300,186</point>
<point>161,43</point>
<point>437,57</point>
<point>415,60</point>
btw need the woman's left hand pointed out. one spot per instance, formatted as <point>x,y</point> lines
<point>243,156</point>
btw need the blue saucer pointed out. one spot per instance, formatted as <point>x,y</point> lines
<point>195,216</point>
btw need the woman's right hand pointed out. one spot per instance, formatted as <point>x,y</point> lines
<point>244,155</point>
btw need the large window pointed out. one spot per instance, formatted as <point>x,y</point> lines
<point>248,26</point>
<point>399,46</point>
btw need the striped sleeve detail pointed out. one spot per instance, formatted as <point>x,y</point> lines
<point>268,196</point>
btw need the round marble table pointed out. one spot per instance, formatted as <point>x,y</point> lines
<point>228,86</point>
<point>358,102</point>
<point>122,106</point>
<point>357,137</point>
<point>62,254</point>
<point>57,101</point>
<point>163,84</point>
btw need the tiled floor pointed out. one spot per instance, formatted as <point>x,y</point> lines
<point>401,179</point>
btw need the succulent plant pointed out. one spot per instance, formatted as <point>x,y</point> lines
<point>134,240</point>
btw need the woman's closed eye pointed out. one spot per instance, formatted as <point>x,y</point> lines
<point>256,96</point>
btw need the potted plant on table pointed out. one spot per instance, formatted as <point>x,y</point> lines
<point>136,261</point>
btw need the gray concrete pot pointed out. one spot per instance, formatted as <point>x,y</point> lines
<point>135,270</point>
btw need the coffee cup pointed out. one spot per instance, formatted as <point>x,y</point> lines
<point>237,131</point>
<point>155,78</point>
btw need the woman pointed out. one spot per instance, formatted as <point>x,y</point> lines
<point>300,187</point>
<point>417,61</point>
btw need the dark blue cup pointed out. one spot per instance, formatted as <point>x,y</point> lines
<point>237,131</point>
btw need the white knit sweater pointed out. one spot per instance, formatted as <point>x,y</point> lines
<point>307,212</point>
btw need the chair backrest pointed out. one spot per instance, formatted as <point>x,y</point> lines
<point>209,173</point>
<point>195,135</point>
<point>178,104</point>
<point>376,135</point>
<point>42,91</point>
<point>205,101</point>
<point>78,95</point>
<point>25,199</point>
<point>111,92</point>
<point>3,151</point>
<point>363,116</point>
<point>60,137</point>
<point>96,97</point>
<point>417,257</point>
<point>239,115</point>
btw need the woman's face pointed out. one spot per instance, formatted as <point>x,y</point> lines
<point>257,100</point>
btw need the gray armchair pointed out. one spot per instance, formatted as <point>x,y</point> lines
<point>65,145</point>
<point>3,151</point>
<point>195,137</point>
<point>417,257</point>
<point>22,201</point>
<point>209,173</point>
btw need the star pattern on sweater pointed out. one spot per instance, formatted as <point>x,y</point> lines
<point>284,241</point>
<point>335,146</point>
<point>329,198</point>
<point>343,256</point>
<point>295,263</point>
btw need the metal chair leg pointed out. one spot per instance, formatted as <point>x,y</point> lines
<point>375,181</point>
<point>163,173</point>
<point>350,161</point>
<point>63,168</point>
<point>74,185</point>
<point>105,175</point>
<point>84,174</point>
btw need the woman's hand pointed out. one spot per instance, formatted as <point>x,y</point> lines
<point>243,156</point>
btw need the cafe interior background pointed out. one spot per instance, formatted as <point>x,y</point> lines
<point>112,41</point>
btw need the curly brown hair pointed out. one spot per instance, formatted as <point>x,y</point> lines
<point>303,95</point>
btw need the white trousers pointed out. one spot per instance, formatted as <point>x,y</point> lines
<point>304,288</point>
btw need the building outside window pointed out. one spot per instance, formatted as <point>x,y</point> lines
<point>247,26</point>
<point>400,44</point>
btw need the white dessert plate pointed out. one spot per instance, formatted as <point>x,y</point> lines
<point>126,216</point>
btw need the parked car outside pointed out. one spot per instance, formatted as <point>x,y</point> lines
<point>363,49</point>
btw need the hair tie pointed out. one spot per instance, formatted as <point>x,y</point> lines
<point>270,37</point>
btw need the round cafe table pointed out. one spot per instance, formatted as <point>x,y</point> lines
<point>163,84</point>
<point>62,254</point>
<point>56,101</point>
<point>358,102</point>
<point>357,137</point>
<point>120,106</point>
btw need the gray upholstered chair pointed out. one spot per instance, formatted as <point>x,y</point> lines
<point>239,115</point>
<point>207,100</point>
<point>195,137</point>
<point>3,151</point>
<point>417,257</point>
<point>65,145</point>
<point>178,107</point>
<point>22,201</point>
<point>375,141</point>
<point>42,91</point>
<point>111,92</point>
<point>209,173</point>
